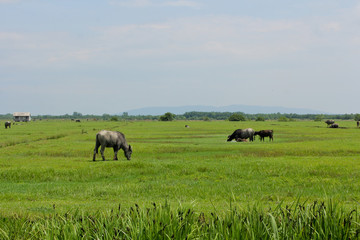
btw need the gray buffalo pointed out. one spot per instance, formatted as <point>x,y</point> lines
<point>7,124</point>
<point>113,139</point>
<point>242,134</point>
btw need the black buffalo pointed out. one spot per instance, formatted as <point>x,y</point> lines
<point>334,125</point>
<point>7,124</point>
<point>113,139</point>
<point>242,134</point>
<point>265,133</point>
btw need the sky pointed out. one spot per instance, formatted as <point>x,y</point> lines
<point>112,56</point>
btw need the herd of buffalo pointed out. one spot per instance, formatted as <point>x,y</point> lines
<point>117,141</point>
<point>241,135</point>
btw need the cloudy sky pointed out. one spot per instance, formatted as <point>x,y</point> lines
<point>111,56</point>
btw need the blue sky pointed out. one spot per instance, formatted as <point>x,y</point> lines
<point>111,56</point>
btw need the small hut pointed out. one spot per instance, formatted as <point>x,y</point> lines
<point>22,117</point>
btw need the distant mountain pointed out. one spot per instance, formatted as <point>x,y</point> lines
<point>232,108</point>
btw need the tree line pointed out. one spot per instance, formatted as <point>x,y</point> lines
<point>205,116</point>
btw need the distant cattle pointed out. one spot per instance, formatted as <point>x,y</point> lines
<point>334,125</point>
<point>329,122</point>
<point>242,134</point>
<point>113,139</point>
<point>7,124</point>
<point>187,126</point>
<point>77,120</point>
<point>357,123</point>
<point>265,133</point>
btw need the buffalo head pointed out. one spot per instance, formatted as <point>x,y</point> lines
<point>128,153</point>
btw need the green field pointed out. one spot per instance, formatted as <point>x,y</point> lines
<point>47,165</point>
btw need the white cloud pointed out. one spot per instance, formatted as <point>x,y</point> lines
<point>189,38</point>
<point>331,27</point>
<point>132,3</point>
<point>238,37</point>
<point>182,3</point>
<point>151,3</point>
<point>10,36</point>
<point>180,43</point>
<point>77,55</point>
<point>9,1</point>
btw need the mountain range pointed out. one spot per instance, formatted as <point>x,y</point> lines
<point>232,108</point>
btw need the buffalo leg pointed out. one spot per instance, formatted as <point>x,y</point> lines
<point>96,150</point>
<point>102,150</point>
<point>115,153</point>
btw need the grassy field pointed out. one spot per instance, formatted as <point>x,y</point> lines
<point>47,165</point>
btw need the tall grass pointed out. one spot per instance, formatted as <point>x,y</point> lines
<point>297,221</point>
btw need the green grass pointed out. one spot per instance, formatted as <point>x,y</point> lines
<point>297,221</point>
<point>49,163</point>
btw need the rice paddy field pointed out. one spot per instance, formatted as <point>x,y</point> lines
<point>48,180</point>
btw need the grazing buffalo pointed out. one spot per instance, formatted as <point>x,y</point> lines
<point>7,124</point>
<point>329,122</point>
<point>334,125</point>
<point>77,120</point>
<point>265,133</point>
<point>113,139</point>
<point>242,134</point>
<point>357,123</point>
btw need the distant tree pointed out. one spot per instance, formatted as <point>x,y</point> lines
<point>167,117</point>
<point>260,119</point>
<point>114,118</point>
<point>348,116</point>
<point>236,117</point>
<point>6,116</point>
<point>206,119</point>
<point>106,116</point>
<point>283,119</point>
<point>319,118</point>
<point>357,117</point>
<point>77,114</point>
